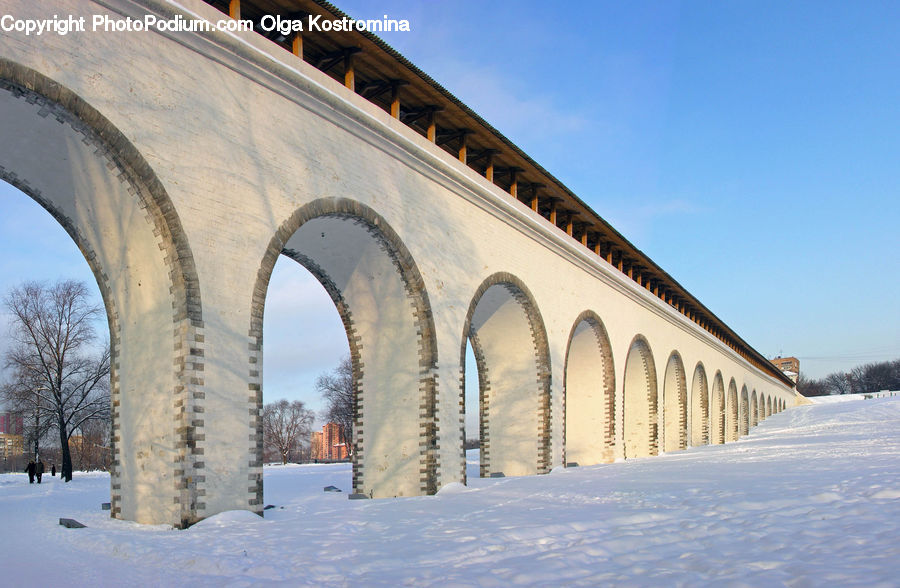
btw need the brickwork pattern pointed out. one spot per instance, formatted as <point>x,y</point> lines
<point>681,437</point>
<point>754,409</point>
<point>744,420</point>
<point>718,410</point>
<point>645,440</point>
<point>356,362</point>
<point>391,245</point>
<point>124,161</point>
<point>608,383</point>
<point>523,297</point>
<point>732,413</point>
<point>700,425</point>
<point>484,409</point>
<point>349,124</point>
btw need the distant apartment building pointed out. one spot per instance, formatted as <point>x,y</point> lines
<point>328,444</point>
<point>790,366</point>
<point>11,445</point>
<point>315,445</point>
<point>11,423</point>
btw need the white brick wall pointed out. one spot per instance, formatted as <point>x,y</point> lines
<point>240,136</point>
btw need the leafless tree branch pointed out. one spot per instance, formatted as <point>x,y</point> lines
<point>285,426</point>
<point>53,374</point>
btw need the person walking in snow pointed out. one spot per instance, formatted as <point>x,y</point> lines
<point>29,469</point>
<point>53,470</point>
<point>39,470</point>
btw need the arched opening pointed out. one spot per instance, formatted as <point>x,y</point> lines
<point>589,394</point>
<point>471,407</point>
<point>732,413</point>
<point>72,161</point>
<point>305,340</point>
<point>378,292</point>
<point>754,409</point>
<point>674,405</point>
<point>509,343</point>
<point>700,425</point>
<point>35,249</point>
<point>768,406</point>
<point>744,417</point>
<point>640,392</point>
<point>717,409</point>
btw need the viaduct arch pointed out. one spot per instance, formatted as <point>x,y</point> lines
<point>700,403</point>
<point>732,413</point>
<point>744,423</point>
<point>378,291</point>
<point>77,165</point>
<point>182,198</point>
<point>675,429</point>
<point>589,393</point>
<point>510,346</point>
<point>640,419</point>
<point>717,402</point>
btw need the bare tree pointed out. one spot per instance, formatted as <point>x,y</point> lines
<point>873,377</point>
<point>285,426</point>
<point>839,383</point>
<point>339,391</point>
<point>811,387</point>
<point>90,447</point>
<point>36,430</point>
<point>55,374</point>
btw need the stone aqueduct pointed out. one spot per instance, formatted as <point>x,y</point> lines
<point>184,164</point>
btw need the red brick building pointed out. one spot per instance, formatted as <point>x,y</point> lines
<point>11,423</point>
<point>328,444</point>
<point>315,445</point>
<point>333,441</point>
<point>789,365</point>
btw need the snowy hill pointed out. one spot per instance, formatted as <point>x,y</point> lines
<point>811,497</point>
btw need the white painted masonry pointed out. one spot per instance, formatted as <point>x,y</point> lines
<point>183,164</point>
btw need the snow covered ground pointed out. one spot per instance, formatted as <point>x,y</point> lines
<point>810,498</point>
<point>857,396</point>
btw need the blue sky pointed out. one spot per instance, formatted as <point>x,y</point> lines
<point>752,149</point>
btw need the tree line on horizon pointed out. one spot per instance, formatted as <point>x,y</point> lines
<point>869,377</point>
